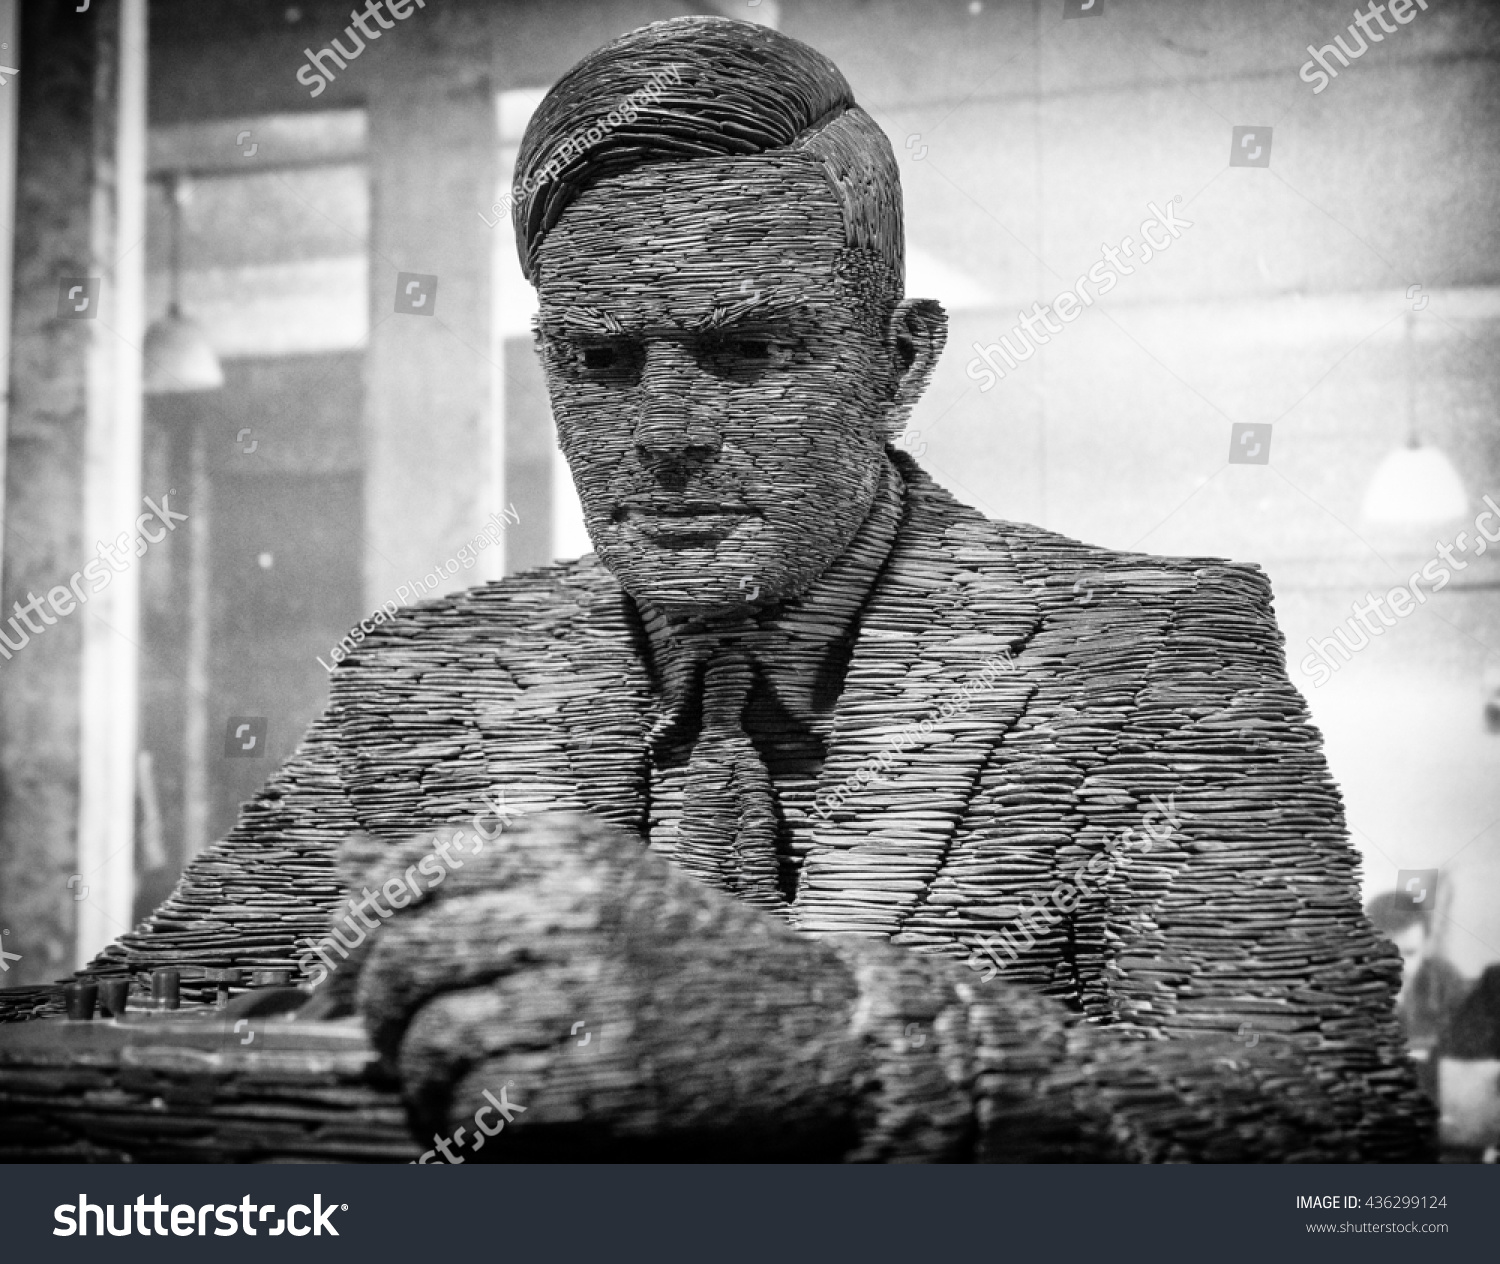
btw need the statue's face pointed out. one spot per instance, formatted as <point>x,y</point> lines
<point>721,392</point>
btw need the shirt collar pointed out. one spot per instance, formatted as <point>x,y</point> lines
<point>800,647</point>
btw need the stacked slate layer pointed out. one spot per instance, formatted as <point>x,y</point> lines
<point>18,1005</point>
<point>186,1088</point>
<point>1167,682</point>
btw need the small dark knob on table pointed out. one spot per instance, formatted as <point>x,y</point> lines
<point>165,988</point>
<point>80,997</point>
<point>114,995</point>
<point>225,979</point>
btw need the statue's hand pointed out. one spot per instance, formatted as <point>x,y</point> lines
<point>622,1006</point>
<point>563,982</point>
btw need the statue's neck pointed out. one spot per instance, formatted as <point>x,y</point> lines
<point>794,640</point>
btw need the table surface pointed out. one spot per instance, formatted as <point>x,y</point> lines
<point>194,1085</point>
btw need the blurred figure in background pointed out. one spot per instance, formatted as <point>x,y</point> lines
<point>1467,1060</point>
<point>1431,986</point>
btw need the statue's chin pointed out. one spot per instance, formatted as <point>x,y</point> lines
<point>707,598</point>
<point>701,583</point>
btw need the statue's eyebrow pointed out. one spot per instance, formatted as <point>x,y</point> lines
<point>733,309</point>
<point>750,309</point>
<point>581,320</point>
<point>723,315</point>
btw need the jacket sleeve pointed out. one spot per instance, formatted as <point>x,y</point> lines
<point>1237,914</point>
<point>717,1030</point>
<point>270,882</point>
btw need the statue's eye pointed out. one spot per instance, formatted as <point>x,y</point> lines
<point>744,357</point>
<point>616,360</point>
<point>751,350</point>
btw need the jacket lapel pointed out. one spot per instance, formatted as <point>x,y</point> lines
<point>584,705</point>
<point>949,604</point>
<point>570,733</point>
<point>523,696</point>
<point>607,718</point>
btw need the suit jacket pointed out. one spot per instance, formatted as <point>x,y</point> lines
<point>1131,677</point>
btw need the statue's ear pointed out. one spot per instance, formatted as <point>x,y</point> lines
<point>915,334</point>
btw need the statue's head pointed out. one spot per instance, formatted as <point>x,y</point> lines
<point>714,230</point>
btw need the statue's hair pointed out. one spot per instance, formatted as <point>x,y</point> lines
<point>699,87</point>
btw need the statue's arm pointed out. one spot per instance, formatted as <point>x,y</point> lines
<point>280,845</point>
<point>635,1013</point>
<point>1241,918</point>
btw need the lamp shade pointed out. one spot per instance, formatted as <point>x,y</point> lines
<point>1415,486</point>
<point>179,357</point>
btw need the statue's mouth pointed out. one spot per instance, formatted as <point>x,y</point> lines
<point>681,522</point>
<point>665,505</point>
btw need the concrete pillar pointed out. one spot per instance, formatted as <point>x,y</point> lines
<point>67,695</point>
<point>10,39</point>
<point>112,500</point>
<point>433,384</point>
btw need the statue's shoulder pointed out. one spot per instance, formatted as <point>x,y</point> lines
<point>527,608</point>
<point>1053,566</point>
<point>1049,553</point>
<point>1048,562</point>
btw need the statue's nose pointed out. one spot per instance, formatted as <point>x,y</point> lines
<point>677,428</point>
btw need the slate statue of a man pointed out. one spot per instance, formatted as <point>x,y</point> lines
<point>850,821</point>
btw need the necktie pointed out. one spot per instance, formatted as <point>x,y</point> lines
<point>727,835</point>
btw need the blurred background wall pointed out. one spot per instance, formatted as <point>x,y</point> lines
<point>1345,295</point>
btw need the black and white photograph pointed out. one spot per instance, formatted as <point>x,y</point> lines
<point>749,586</point>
